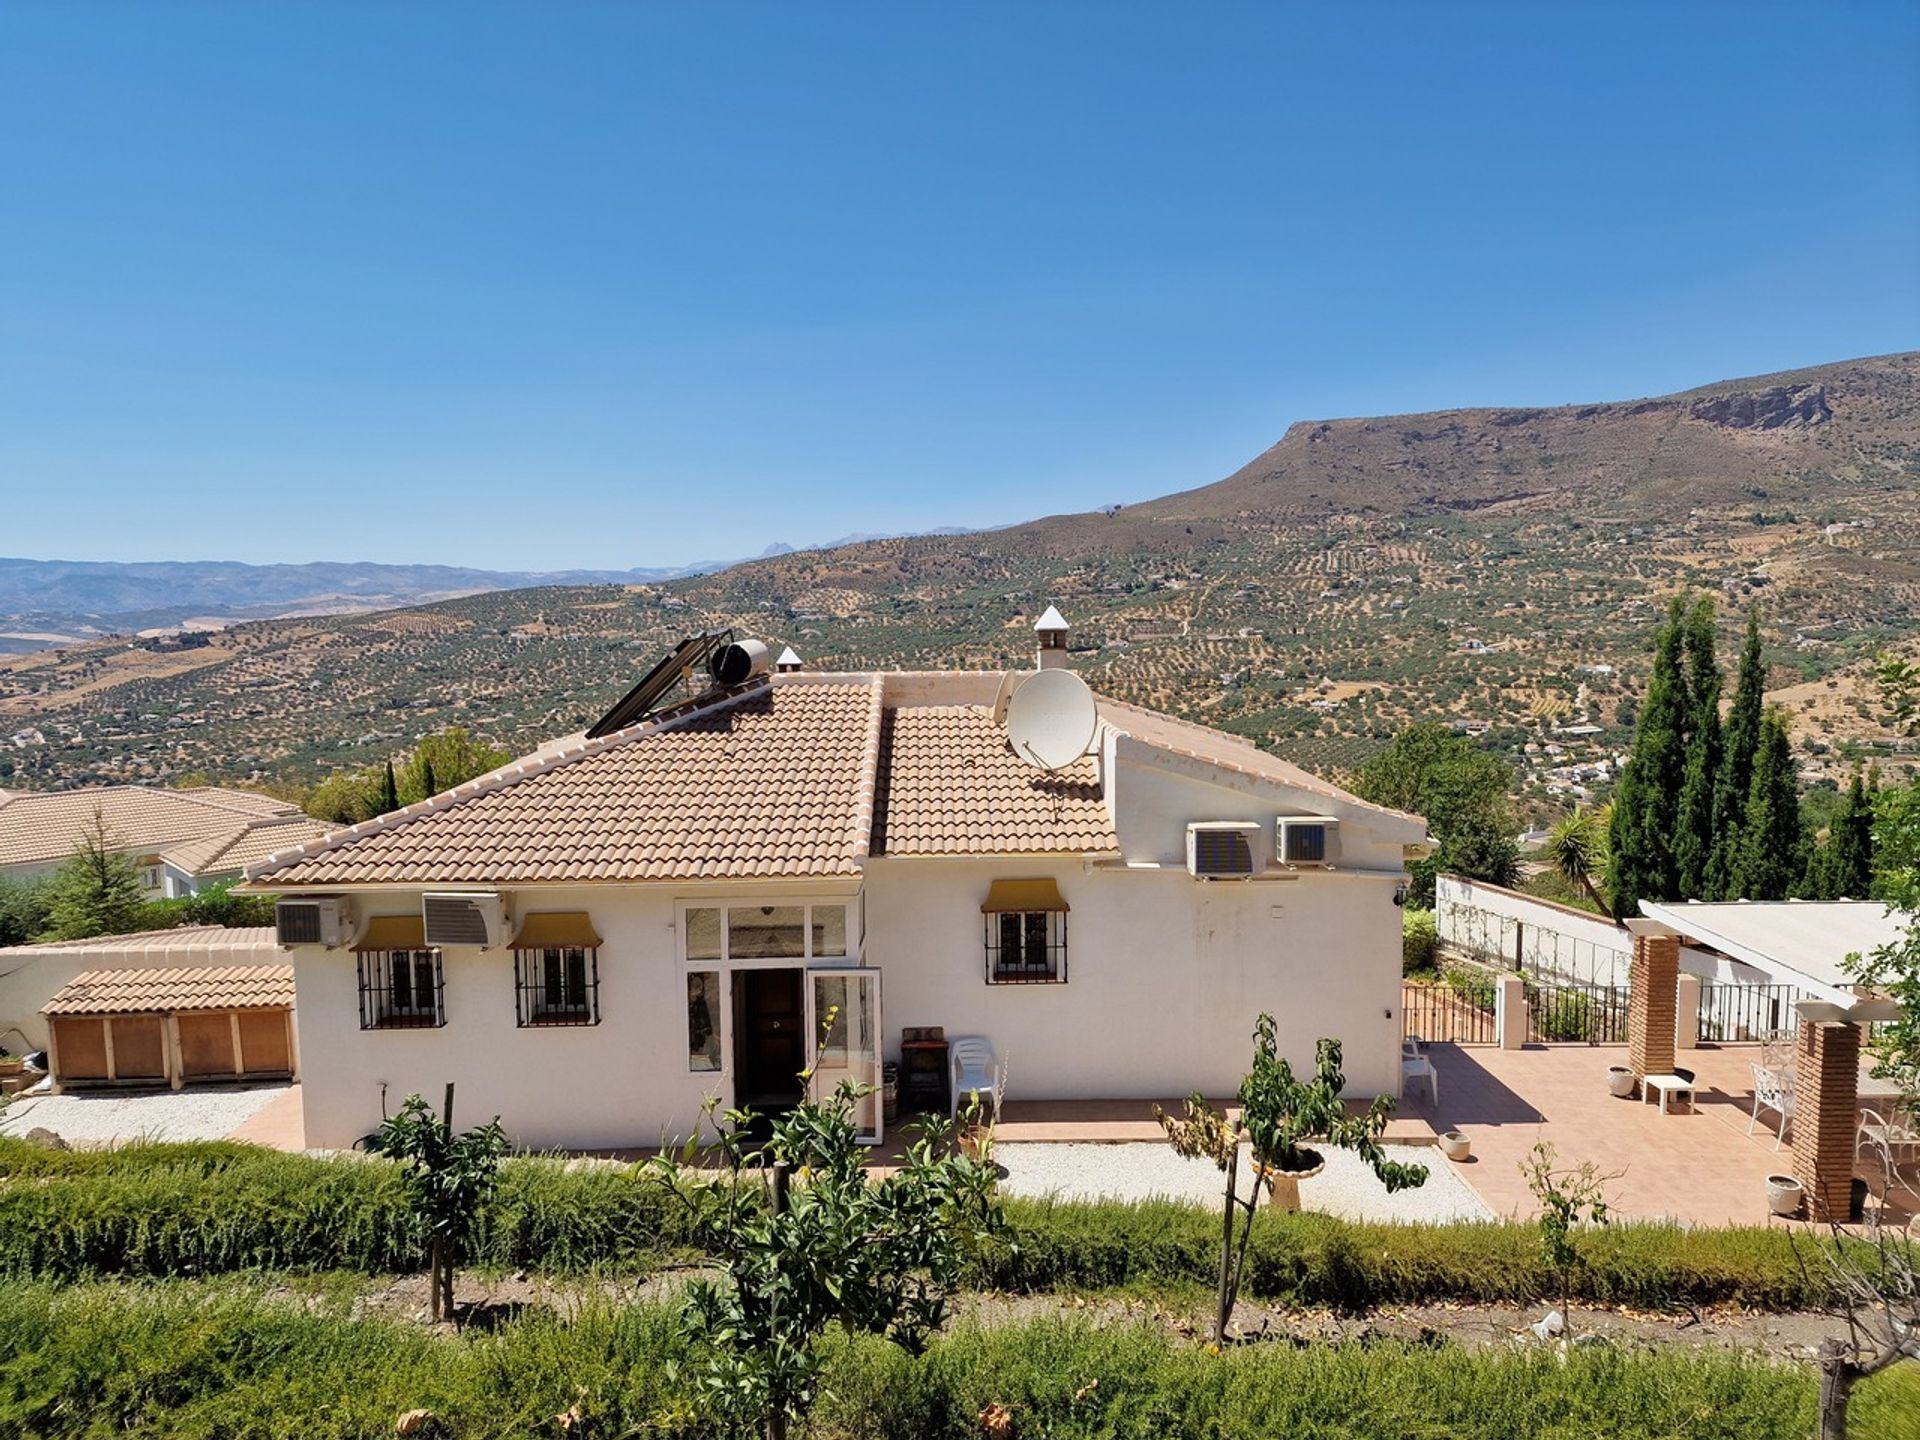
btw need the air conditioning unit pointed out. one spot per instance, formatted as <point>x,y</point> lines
<point>465,917</point>
<point>1224,849</point>
<point>1307,839</point>
<point>313,922</point>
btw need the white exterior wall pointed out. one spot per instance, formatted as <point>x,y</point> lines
<point>1165,975</point>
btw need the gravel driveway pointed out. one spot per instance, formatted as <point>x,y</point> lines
<point>106,1116</point>
<point>1144,1170</point>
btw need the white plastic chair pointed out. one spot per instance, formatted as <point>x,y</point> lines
<point>975,1070</point>
<point>1414,1065</point>
<point>1772,1091</point>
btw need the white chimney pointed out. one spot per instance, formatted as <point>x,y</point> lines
<point>788,663</point>
<point>1052,630</point>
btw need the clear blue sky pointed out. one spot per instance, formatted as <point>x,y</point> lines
<point>536,286</point>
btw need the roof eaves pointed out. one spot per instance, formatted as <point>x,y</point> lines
<point>501,779</point>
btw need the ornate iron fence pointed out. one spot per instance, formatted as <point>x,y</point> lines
<point>1591,1014</point>
<point>1458,1010</point>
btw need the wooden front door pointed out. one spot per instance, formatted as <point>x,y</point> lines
<point>769,1018</point>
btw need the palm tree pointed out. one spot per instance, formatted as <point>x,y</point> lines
<point>1577,846</point>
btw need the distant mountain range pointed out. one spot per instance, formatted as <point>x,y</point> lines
<point>1500,568</point>
<point>45,602</point>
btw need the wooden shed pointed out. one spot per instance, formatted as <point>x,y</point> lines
<point>175,1027</point>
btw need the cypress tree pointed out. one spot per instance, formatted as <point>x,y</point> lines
<point>1842,869</point>
<point>1740,740</point>
<point>1693,831</point>
<point>1646,801</point>
<point>426,776</point>
<point>389,792</point>
<point>1768,863</point>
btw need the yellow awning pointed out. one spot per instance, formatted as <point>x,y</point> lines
<point>394,932</point>
<point>1006,895</point>
<point>556,929</point>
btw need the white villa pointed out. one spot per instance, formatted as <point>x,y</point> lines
<point>593,939</point>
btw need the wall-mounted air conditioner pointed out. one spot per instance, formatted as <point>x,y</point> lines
<point>465,917</point>
<point>1306,839</point>
<point>1224,849</point>
<point>326,922</point>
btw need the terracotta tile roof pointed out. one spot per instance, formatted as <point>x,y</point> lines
<point>246,845</point>
<point>224,987</point>
<point>760,783</point>
<point>41,827</point>
<point>197,941</point>
<point>950,786</point>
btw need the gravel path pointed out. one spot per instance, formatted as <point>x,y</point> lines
<point>94,1119</point>
<point>1145,1170</point>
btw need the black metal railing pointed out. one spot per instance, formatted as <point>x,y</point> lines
<point>1576,1014</point>
<point>1731,1012</point>
<point>557,985</point>
<point>1026,947</point>
<point>401,990</point>
<point>1459,1010</point>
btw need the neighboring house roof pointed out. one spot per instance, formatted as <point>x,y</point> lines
<point>225,987</point>
<point>39,827</point>
<point>763,782</point>
<point>789,776</point>
<point>249,844</point>
<point>949,785</point>
<point>1798,942</point>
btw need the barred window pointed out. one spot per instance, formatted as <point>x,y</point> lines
<point>401,990</point>
<point>1026,947</point>
<point>558,985</point>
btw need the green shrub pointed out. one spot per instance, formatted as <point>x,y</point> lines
<point>198,1360</point>
<point>1419,942</point>
<point>162,1210</point>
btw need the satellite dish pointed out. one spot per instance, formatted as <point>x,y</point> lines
<point>1009,683</point>
<point>1051,719</point>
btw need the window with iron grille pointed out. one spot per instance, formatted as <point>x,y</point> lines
<point>1026,947</point>
<point>401,990</point>
<point>557,985</point>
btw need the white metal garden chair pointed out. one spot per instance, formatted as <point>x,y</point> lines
<point>1772,1090</point>
<point>975,1071</point>
<point>1892,1137</point>
<point>1415,1065</point>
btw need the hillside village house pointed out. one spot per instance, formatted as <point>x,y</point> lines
<point>674,910</point>
<point>181,840</point>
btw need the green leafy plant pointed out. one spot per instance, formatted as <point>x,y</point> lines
<point>1279,1113</point>
<point>1577,848</point>
<point>450,1178</point>
<point>820,1245</point>
<point>1569,1198</point>
<point>96,890</point>
<point>1419,941</point>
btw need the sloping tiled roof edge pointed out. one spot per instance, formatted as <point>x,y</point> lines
<point>869,773</point>
<point>503,778</point>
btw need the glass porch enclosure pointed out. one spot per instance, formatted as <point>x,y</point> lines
<point>742,962</point>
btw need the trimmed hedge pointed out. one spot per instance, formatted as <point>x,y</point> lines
<point>198,1360</point>
<point>174,1210</point>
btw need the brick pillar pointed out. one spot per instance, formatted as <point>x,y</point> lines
<point>1826,1097</point>
<point>1652,1001</point>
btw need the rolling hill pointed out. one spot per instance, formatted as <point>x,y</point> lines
<point>1501,567</point>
